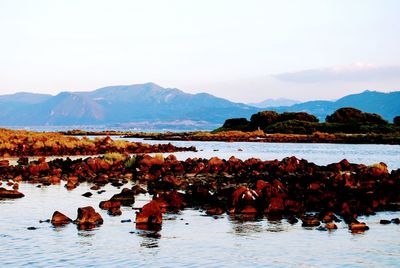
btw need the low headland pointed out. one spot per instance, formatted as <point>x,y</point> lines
<point>344,126</point>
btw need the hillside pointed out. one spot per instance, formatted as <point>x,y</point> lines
<point>385,104</point>
<point>118,104</point>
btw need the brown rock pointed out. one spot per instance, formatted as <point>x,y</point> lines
<point>330,226</point>
<point>59,219</point>
<point>114,211</point>
<point>106,205</point>
<point>276,206</point>
<point>149,215</point>
<point>126,197</point>
<point>88,218</point>
<point>358,227</point>
<point>4,193</point>
<point>310,221</point>
<point>4,163</point>
<point>215,211</point>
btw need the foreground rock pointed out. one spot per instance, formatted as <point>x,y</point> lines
<point>149,216</point>
<point>4,193</point>
<point>88,218</point>
<point>59,219</point>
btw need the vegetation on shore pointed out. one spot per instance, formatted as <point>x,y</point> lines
<point>28,143</point>
<point>344,120</point>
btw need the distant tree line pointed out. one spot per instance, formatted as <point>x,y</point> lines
<point>343,120</point>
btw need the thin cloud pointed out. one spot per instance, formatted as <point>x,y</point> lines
<point>358,72</point>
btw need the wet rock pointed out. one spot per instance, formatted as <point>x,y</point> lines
<point>138,190</point>
<point>358,227</point>
<point>170,201</point>
<point>95,187</point>
<point>117,184</point>
<point>276,206</point>
<point>23,161</point>
<point>87,194</point>
<point>101,191</point>
<point>4,193</point>
<point>31,228</point>
<point>310,221</point>
<point>88,218</point>
<point>4,163</point>
<point>114,211</point>
<point>149,215</point>
<point>330,226</point>
<point>321,228</point>
<point>106,205</point>
<point>292,220</point>
<point>384,222</point>
<point>395,221</point>
<point>244,200</point>
<point>126,197</point>
<point>72,182</point>
<point>59,219</point>
<point>215,211</point>
<point>124,221</point>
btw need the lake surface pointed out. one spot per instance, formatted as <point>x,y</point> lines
<point>319,153</point>
<point>190,238</point>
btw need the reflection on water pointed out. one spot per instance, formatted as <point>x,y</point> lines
<point>150,238</point>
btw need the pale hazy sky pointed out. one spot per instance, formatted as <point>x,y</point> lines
<point>241,50</point>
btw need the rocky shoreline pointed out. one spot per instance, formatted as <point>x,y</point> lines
<point>250,136</point>
<point>292,188</point>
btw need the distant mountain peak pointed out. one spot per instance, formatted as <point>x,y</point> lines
<point>274,103</point>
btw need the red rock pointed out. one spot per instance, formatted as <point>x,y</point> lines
<point>358,227</point>
<point>4,163</point>
<point>215,161</point>
<point>4,193</point>
<point>72,182</point>
<point>59,219</point>
<point>244,200</point>
<point>15,186</point>
<point>170,200</point>
<point>330,226</point>
<point>150,214</point>
<point>314,186</point>
<point>378,170</point>
<point>149,161</point>
<point>276,206</point>
<point>215,211</point>
<point>88,218</point>
<point>106,205</point>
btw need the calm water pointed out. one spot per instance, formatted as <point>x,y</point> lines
<point>319,153</point>
<point>191,238</point>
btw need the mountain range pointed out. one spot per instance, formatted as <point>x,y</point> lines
<point>274,103</point>
<point>148,104</point>
<point>119,105</point>
<point>385,104</point>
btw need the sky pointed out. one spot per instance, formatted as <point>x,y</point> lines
<point>245,51</point>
